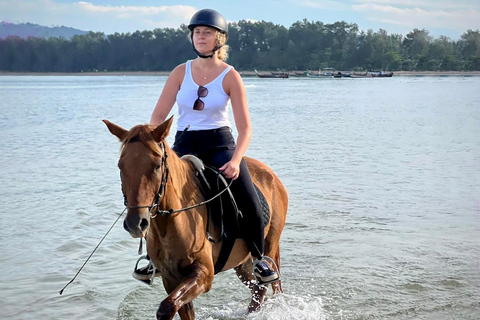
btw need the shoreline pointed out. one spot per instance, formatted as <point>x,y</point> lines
<point>242,73</point>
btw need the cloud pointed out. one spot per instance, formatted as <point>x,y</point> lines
<point>324,4</point>
<point>184,12</point>
<point>401,16</point>
<point>88,16</point>
<point>425,4</point>
<point>420,14</point>
<point>146,17</point>
<point>396,16</point>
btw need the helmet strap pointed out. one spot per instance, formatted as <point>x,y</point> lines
<point>202,55</point>
<point>205,56</point>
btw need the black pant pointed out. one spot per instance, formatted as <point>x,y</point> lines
<point>215,148</point>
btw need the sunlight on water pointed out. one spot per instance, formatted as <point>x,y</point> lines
<point>383,184</point>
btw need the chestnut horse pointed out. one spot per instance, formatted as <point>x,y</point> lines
<point>177,243</point>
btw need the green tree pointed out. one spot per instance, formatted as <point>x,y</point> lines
<point>449,62</point>
<point>440,52</point>
<point>262,45</point>
<point>416,43</point>
<point>307,42</point>
<point>469,49</point>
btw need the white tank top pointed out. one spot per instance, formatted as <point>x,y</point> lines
<point>215,112</point>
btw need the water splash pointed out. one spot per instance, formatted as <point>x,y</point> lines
<point>281,307</point>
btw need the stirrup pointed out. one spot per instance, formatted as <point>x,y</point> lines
<point>149,266</point>
<point>275,268</point>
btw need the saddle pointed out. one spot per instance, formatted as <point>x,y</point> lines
<point>222,210</point>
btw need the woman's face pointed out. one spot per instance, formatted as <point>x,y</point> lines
<point>204,39</point>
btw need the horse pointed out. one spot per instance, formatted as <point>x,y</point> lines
<point>154,182</point>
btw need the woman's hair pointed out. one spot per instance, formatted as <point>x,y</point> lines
<point>222,53</point>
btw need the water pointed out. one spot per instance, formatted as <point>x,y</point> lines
<point>382,174</point>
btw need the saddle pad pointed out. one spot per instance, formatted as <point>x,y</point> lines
<point>265,207</point>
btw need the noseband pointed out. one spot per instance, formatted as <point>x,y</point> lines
<point>158,197</point>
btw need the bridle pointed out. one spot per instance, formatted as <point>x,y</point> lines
<point>158,198</point>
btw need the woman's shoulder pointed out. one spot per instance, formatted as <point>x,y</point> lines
<point>227,66</point>
<point>232,74</point>
<point>180,68</point>
<point>178,72</point>
<point>232,82</point>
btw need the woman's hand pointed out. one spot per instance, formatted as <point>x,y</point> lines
<point>230,170</point>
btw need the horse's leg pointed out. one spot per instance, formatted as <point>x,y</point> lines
<point>272,249</point>
<point>277,286</point>
<point>180,297</point>
<point>187,311</point>
<point>245,274</point>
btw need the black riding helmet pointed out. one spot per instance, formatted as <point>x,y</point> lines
<point>208,18</point>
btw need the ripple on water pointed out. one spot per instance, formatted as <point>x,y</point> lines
<point>383,199</point>
<point>451,284</point>
<point>414,287</point>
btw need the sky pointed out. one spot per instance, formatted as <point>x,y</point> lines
<point>439,17</point>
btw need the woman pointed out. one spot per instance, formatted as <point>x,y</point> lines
<point>202,88</point>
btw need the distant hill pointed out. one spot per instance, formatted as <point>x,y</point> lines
<point>26,30</point>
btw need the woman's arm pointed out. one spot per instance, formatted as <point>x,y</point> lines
<point>169,95</point>
<point>234,87</point>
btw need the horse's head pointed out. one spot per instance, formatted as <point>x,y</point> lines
<point>142,171</point>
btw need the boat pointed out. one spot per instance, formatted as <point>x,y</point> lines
<point>337,75</point>
<point>281,75</point>
<point>382,74</point>
<point>330,71</point>
<point>360,75</point>
<point>300,73</point>
<point>327,73</point>
<point>319,74</point>
<point>277,73</point>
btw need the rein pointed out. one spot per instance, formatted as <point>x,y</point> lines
<point>171,211</point>
<point>158,198</point>
<point>155,204</point>
<point>91,254</point>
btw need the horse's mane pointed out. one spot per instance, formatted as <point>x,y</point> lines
<point>142,133</point>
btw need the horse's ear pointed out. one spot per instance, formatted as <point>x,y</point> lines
<point>117,131</point>
<point>161,132</point>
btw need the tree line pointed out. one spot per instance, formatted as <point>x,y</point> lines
<point>253,45</point>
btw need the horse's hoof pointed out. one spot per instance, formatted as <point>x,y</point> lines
<point>166,311</point>
<point>253,307</point>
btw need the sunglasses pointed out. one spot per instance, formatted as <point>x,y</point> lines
<point>199,104</point>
